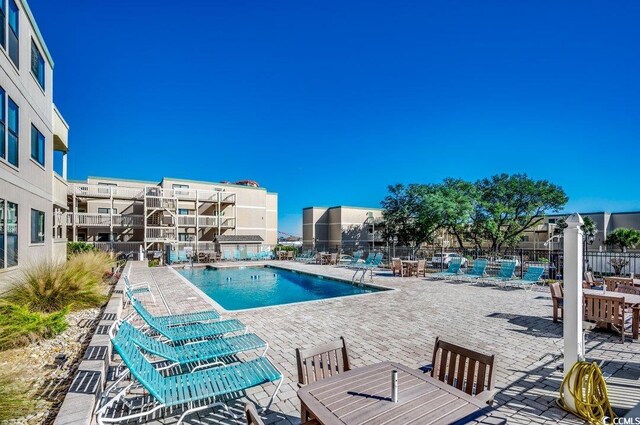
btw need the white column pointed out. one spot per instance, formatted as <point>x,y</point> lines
<point>572,274</point>
<point>64,165</point>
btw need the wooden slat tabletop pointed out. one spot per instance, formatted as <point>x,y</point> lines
<point>363,396</point>
<point>629,299</point>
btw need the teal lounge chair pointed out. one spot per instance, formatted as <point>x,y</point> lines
<point>367,262</point>
<point>368,267</point>
<point>452,270</point>
<point>197,355</point>
<point>354,260</point>
<point>138,288</point>
<point>476,273</point>
<point>530,278</point>
<point>505,274</point>
<point>192,331</point>
<point>194,391</point>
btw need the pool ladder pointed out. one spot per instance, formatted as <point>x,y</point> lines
<point>360,281</point>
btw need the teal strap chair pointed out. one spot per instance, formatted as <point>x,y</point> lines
<point>181,319</point>
<point>477,271</point>
<point>132,289</point>
<point>505,274</point>
<point>530,278</point>
<point>452,270</point>
<point>196,355</point>
<point>194,391</point>
<point>192,331</point>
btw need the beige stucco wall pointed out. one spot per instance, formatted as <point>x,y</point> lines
<point>30,185</point>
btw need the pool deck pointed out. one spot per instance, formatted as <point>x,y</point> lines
<point>402,325</point>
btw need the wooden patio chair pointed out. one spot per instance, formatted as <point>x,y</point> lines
<point>465,369</point>
<point>290,255</point>
<point>613,282</point>
<point>557,296</point>
<point>396,267</point>
<point>251,415</point>
<point>317,363</point>
<point>605,310</point>
<point>590,281</point>
<point>333,259</point>
<point>628,289</point>
<point>421,268</point>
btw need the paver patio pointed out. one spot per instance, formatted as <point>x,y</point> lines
<point>401,326</point>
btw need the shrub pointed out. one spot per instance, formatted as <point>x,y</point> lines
<point>20,326</point>
<point>14,401</point>
<point>154,263</point>
<point>50,287</point>
<point>75,248</point>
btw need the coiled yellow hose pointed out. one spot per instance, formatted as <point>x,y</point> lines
<point>587,394</point>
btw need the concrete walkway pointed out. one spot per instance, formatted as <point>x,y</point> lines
<point>401,326</point>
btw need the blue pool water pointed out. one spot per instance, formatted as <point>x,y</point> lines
<point>250,287</point>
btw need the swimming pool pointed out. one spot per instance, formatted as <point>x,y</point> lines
<point>251,287</point>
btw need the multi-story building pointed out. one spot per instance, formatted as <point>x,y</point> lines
<point>341,226</point>
<point>606,222</point>
<point>122,215</point>
<point>33,134</point>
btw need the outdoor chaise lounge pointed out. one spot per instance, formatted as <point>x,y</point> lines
<point>530,278</point>
<point>354,260</point>
<point>197,355</point>
<point>452,270</point>
<point>476,273</point>
<point>182,319</point>
<point>195,391</point>
<point>505,274</point>
<point>192,331</point>
<point>138,288</point>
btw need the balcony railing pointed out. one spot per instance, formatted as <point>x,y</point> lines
<point>154,203</point>
<point>208,221</point>
<point>227,222</point>
<point>227,198</point>
<point>104,220</point>
<point>187,220</point>
<point>105,191</point>
<point>160,234</point>
<point>203,195</point>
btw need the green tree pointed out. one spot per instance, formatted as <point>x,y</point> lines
<point>510,204</point>
<point>623,238</point>
<point>410,213</point>
<point>589,226</point>
<point>454,203</point>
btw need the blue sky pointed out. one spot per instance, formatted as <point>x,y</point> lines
<point>329,102</point>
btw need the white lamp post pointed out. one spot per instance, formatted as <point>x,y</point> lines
<point>572,274</point>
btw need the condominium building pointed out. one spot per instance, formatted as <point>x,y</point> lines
<point>123,215</point>
<point>341,226</point>
<point>33,135</point>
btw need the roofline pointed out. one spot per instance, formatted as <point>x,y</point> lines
<point>596,213</point>
<point>212,183</point>
<point>344,206</point>
<point>36,29</point>
<point>121,179</point>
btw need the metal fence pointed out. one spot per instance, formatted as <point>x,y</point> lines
<point>600,263</point>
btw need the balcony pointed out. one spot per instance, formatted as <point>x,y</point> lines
<point>203,195</point>
<point>161,203</point>
<point>60,187</point>
<point>160,234</point>
<point>227,223</point>
<point>104,191</point>
<point>60,131</point>
<point>203,221</point>
<point>105,220</point>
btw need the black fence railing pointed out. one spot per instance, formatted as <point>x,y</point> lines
<point>600,263</point>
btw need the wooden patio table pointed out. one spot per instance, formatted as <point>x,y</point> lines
<point>412,265</point>
<point>363,396</point>
<point>630,300</point>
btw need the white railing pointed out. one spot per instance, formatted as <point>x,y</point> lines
<point>227,198</point>
<point>199,246</point>
<point>87,219</point>
<point>159,192</point>
<point>125,247</point>
<point>208,195</point>
<point>160,234</point>
<point>129,220</point>
<point>168,203</point>
<point>227,222</point>
<point>187,220</point>
<point>208,221</point>
<point>104,191</point>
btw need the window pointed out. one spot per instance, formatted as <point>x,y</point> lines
<point>104,237</point>
<point>14,47</point>
<point>37,145</point>
<point>37,64</point>
<point>105,189</point>
<point>3,26</point>
<point>12,139</point>
<point>8,234</point>
<point>180,186</point>
<point>106,211</point>
<point>37,226</point>
<point>3,125</point>
<point>183,211</point>
<point>183,237</point>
